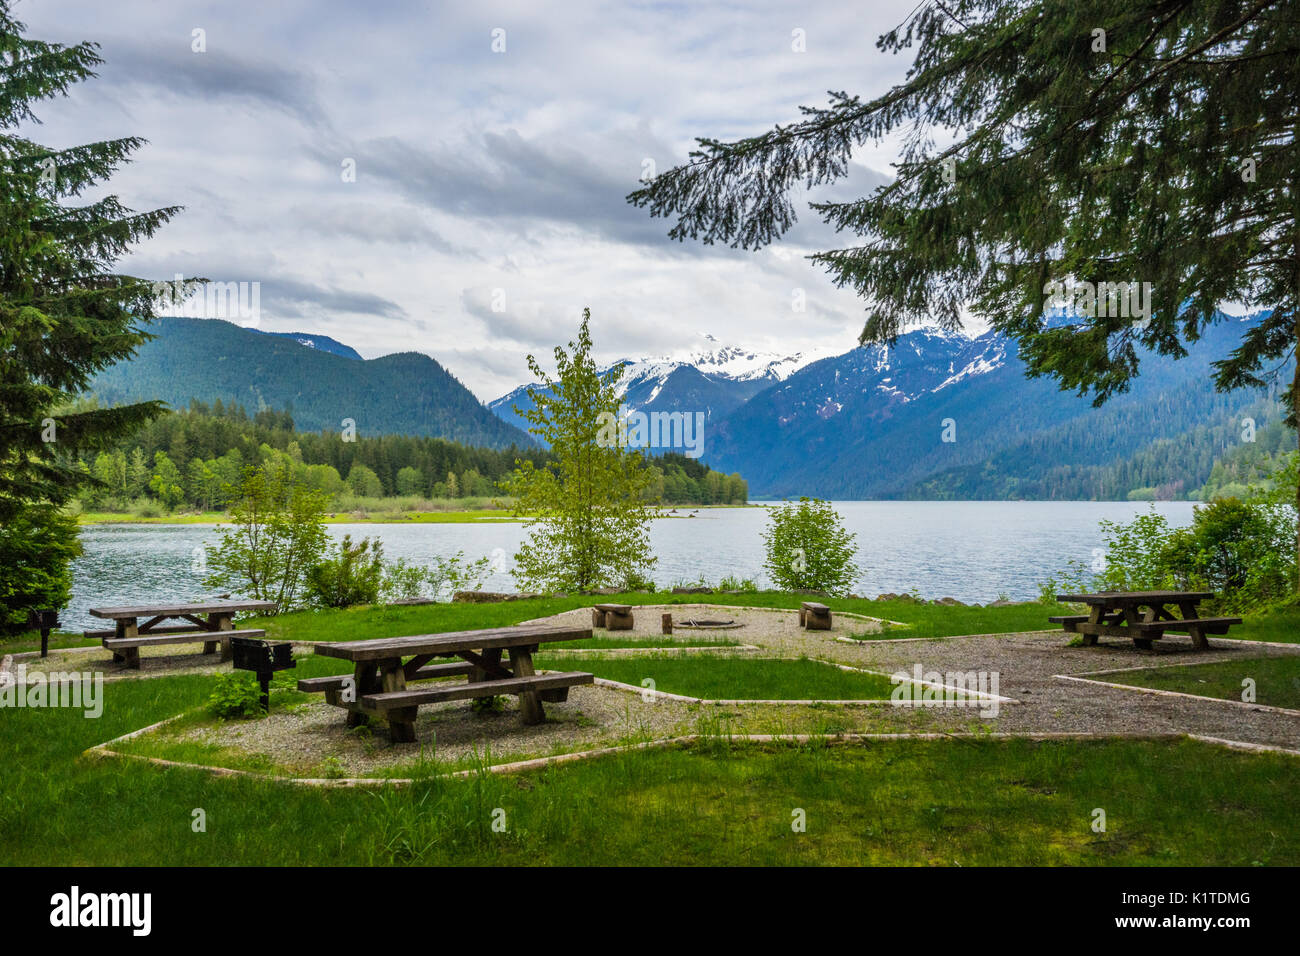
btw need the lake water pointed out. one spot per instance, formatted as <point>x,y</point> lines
<point>970,550</point>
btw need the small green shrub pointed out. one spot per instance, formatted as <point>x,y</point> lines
<point>235,695</point>
<point>351,575</point>
<point>439,580</point>
<point>488,705</point>
<point>733,583</point>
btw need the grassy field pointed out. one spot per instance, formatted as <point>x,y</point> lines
<point>1277,679</point>
<point>921,620</point>
<point>400,510</point>
<point>917,620</point>
<point>912,802</point>
<point>737,678</point>
<point>1281,625</point>
<point>905,802</point>
<point>352,517</point>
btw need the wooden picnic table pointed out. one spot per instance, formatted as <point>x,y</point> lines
<point>383,668</point>
<point>209,621</point>
<point>1144,616</point>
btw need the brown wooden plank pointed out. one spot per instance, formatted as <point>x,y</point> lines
<point>112,631</point>
<point>451,643</point>
<point>1186,623</point>
<point>1164,597</point>
<point>179,609</point>
<point>184,637</point>
<point>315,685</point>
<point>487,663</point>
<point>515,685</point>
<point>415,663</point>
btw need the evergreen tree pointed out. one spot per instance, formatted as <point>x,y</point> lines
<point>1043,142</point>
<point>586,515</point>
<point>64,314</point>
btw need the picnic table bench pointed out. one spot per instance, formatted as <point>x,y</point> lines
<point>383,669</point>
<point>211,622</point>
<point>1144,616</point>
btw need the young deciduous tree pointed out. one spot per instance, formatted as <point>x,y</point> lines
<point>276,535</point>
<point>586,512</point>
<point>809,549</point>
<point>1091,141</point>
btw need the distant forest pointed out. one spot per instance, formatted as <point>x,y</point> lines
<point>1204,461</point>
<point>193,458</point>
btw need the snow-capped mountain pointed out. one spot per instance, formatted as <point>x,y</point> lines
<point>946,415</point>
<point>938,415</point>
<point>712,378</point>
<point>727,361</point>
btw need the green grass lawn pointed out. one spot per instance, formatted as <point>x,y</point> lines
<point>1277,679</point>
<point>361,623</point>
<point>1281,625</point>
<point>732,678</point>
<point>918,620</point>
<point>912,802</point>
<point>369,517</point>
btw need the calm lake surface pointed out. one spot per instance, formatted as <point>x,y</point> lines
<point>970,550</point>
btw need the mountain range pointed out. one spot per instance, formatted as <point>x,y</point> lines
<point>935,415</point>
<point>714,379</point>
<point>320,380</point>
<point>940,415</point>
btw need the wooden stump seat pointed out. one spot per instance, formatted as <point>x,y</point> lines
<point>814,616</point>
<point>613,617</point>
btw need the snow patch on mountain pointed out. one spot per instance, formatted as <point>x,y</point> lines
<point>725,361</point>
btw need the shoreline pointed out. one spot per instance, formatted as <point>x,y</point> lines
<point>476,516</point>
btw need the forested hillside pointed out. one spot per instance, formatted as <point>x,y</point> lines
<point>194,457</point>
<point>209,359</point>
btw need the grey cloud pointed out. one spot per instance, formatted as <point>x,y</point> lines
<point>291,297</point>
<point>372,222</point>
<point>514,181</point>
<point>171,69</point>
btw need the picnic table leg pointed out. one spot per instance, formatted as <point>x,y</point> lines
<point>1144,643</point>
<point>1096,614</point>
<point>126,627</point>
<point>491,655</point>
<point>530,705</point>
<point>363,682</point>
<point>224,623</point>
<point>1190,612</point>
<point>214,624</point>
<point>401,723</point>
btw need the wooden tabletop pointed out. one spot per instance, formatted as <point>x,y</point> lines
<point>170,610</point>
<point>388,648</point>
<point>1110,597</point>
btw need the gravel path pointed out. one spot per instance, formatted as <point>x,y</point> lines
<point>311,739</point>
<point>1026,665</point>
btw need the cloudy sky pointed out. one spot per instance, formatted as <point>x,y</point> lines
<point>482,177</point>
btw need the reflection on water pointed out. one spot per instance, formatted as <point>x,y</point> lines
<point>970,550</point>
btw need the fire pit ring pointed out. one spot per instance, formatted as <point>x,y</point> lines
<point>702,624</point>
